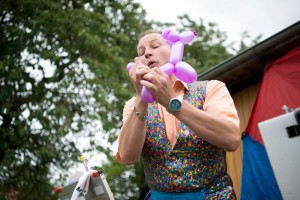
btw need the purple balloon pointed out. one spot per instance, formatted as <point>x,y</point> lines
<point>187,36</point>
<point>166,32</point>
<point>182,70</point>
<point>147,96</point>
<point>169,42</point>
<point>129,66</point>
<point>176,53</point>
<point>185,72</point>
<point>167,68</point>
<point>173,36</point>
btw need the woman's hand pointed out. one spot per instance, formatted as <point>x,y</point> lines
<point>159,84</point>
<point>136,74</point>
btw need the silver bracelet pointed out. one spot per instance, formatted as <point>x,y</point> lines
<point>139,115</point>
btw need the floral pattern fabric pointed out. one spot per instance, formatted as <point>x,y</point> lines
<point>192,164</point>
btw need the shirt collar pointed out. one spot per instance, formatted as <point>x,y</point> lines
<point>179,84</point>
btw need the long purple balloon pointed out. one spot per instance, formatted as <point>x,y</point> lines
<point>182,70</point>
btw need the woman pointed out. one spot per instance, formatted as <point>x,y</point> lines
<point>182,137</point>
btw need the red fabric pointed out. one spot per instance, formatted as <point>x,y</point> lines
<point>280,86</point>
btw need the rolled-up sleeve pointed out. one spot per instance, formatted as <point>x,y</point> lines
<point>219,102</point>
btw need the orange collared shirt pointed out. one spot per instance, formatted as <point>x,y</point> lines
<point>218,101</point>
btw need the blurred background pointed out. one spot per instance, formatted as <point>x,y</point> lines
<point>63,80</point>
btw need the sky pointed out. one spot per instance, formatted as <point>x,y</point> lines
<point>257,17</point>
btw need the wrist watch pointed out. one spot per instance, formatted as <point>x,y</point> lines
<point>174,104</point>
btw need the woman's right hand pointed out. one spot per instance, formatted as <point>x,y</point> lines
<point>136,74</point>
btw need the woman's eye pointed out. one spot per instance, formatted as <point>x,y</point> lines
<point>155,45</point>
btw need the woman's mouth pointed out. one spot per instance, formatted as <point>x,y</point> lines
<point>151,64</point>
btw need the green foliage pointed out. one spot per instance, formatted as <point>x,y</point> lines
<point>62,67</point>
<point>243,43</point>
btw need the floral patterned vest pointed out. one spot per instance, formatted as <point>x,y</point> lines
<point>193,164</point>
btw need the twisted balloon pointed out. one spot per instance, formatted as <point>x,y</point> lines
<point>181,70</point>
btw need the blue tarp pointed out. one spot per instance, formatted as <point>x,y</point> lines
<point>258,179</point>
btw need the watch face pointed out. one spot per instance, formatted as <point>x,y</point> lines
<point>175,104</point>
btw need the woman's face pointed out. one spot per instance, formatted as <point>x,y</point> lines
<point>153,50</point>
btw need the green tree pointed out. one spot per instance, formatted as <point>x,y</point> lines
<point>62,68</point>
<point>244,44</point>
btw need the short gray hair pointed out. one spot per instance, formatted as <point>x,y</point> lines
<point>148,32</point>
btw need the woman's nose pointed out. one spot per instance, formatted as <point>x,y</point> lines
<point>148,53</point>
